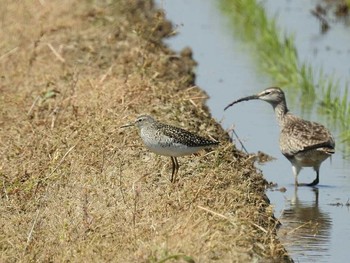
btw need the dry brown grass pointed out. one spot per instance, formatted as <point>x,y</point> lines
<point>75,187</point>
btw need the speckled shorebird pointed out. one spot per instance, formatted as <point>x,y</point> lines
<point>303,143</point>
<point>168,140</point>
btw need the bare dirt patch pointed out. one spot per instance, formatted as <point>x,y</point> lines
<point>75,187</point>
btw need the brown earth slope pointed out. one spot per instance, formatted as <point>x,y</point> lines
<point>76,188</point>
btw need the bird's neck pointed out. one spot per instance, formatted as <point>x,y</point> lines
<point>281,111</point>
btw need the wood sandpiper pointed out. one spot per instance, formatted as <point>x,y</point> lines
<point>168,140</point>
<point>303,143</point>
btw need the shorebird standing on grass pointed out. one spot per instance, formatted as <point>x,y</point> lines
<point>303,143</point>
<point>168,140</point>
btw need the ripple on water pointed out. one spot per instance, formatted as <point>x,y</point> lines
<point>306,230</point>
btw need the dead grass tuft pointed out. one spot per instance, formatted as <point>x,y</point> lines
<point>74,187</point>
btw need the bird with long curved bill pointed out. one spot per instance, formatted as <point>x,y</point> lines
<point>303,143</point>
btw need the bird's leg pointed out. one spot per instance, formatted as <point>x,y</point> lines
<point>315,190</point>
<point>174,169</point>
<point>296,171</point>
<point>316,181</point>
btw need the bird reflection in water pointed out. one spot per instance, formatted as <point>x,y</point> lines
<point>306,229</point>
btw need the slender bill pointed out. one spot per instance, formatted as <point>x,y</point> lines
<point>127,125</point>
<point>253,97</point>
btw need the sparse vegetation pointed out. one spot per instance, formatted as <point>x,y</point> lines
<point>73,186</point>
<point>278,56</point>
<point>347,2</point>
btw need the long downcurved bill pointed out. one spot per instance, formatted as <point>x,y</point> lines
<point>253,97</point>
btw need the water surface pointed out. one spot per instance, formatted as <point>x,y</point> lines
<point>314,229</point>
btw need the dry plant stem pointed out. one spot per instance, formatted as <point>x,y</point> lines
<point>106,75</point>
<point>54,117</point>
<point>239,140</point>
<point>57,166</point>
<point>55,52</point>
<point>5,191</point>
<point>121,186</point>
<point>61,161</point>
<point>200,189</point>
<point>136,191</point>
<point>41,198</point>
<point>33,105</point>
<point>30,234</point>
<point>301,226</point>
<point>8,53</point>
<point>213,213</point>
<point>261,228</point>
<point>87,218</point>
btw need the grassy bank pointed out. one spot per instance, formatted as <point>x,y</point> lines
<point>277,56</point>
<point>75,187</point>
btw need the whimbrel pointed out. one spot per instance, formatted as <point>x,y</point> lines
<point>168,140</point>
<point>303,143</point>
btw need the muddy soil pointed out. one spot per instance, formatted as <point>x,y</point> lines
<point>74,186</point>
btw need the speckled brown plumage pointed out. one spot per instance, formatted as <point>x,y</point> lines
<point>303,143</point>
<point>164,139</point>
<point>298,135</point>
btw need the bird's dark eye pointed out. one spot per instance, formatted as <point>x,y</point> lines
<point>267,92</point>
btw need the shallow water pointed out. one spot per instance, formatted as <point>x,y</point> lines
<point>314,228</point>
<point>328,50</point>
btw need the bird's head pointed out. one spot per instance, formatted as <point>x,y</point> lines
<point>271,95</point>
<point>140,122</point>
